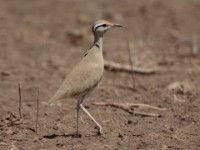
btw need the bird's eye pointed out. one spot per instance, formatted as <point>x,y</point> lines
<point>104,25</point>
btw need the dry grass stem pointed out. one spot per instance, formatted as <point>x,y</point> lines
<point>131,64</point>
<point>37,115</point>
<point>195,46</point>
<point>20,99</point>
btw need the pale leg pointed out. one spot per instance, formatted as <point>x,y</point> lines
<point>85,110</point>
<point>77,121</point>
<point>98,125</point>
<point>80,105</point>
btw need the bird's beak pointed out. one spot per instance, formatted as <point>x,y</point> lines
<point>117,25</point>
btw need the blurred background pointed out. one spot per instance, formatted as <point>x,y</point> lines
<point>41,40</point>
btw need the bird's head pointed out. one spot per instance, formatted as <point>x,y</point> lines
<point>101,26</point>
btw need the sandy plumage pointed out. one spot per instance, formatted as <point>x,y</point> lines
<point>84,76</point>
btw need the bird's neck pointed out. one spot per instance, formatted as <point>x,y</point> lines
<point>98,42</point>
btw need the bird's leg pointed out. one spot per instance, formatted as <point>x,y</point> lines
<point>80,105</point>
<point>98,125</point>
<point>77,121</point>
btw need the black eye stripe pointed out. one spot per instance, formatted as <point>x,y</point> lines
<point>101,25</point>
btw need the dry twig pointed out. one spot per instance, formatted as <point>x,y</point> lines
<point>127,107</point>
<point>147,114</point>
<point>113,66</point>
<point>131,64</point>
<point>37,116</point>
<point>195,46</point>
<point>20,99</point>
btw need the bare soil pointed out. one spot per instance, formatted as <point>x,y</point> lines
<point>41,41</point>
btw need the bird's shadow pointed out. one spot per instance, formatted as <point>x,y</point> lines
<point>53,136</point>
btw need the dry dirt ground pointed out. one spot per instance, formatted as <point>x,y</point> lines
<point>41,41</point>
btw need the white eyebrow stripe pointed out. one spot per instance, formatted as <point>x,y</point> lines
<point>97,25</point>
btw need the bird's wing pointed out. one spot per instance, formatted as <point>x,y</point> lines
<point>85,75</point>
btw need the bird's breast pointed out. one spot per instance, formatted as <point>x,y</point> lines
<point>85,75</point>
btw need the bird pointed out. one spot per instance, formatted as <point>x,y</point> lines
<point>86,75</point>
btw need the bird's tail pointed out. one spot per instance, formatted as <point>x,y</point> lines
<point>60,94</point>
<point>54,100</point>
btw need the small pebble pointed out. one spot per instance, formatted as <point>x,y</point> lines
<point>4,73</point>
<point>130,121</point>
<point>59,145</point>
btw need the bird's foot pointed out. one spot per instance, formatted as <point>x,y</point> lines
<point>99,130</point>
